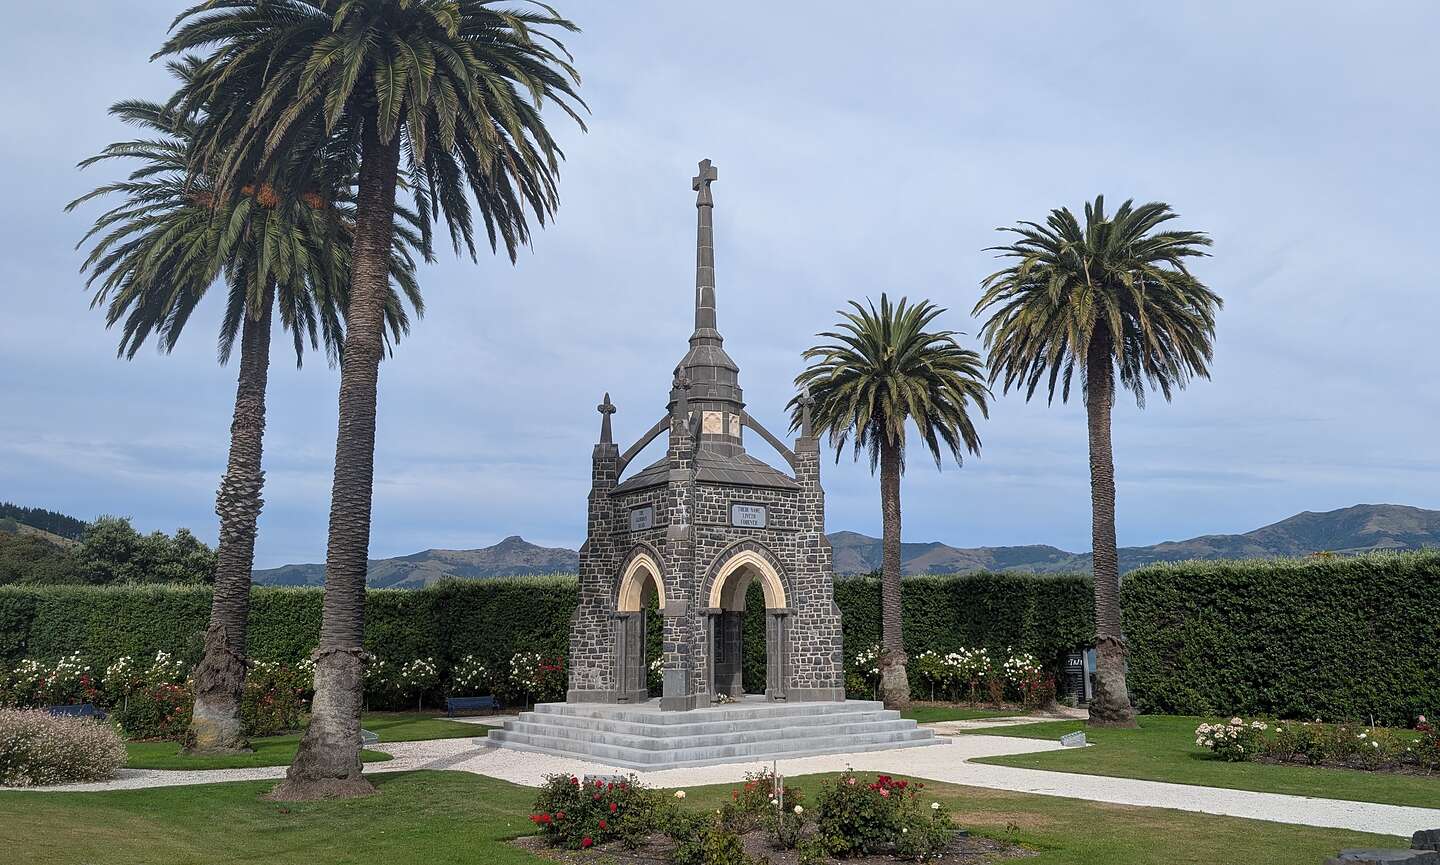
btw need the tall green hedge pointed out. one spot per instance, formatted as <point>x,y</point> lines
<point>495,618</point>
<point>1333,638</point>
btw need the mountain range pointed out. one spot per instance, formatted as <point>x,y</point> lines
<point>1361,528</point>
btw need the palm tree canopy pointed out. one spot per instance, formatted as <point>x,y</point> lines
<point>171,237</point>
<point>1116,287</point>
<point>882,368</point>
<point>460,84</point>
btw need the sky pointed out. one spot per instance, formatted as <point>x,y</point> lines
<point>860,149</point>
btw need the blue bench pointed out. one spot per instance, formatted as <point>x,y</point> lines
<point>78,710</point>
<point>466,704</point>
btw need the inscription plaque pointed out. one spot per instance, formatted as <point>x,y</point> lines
<point>747,516</point>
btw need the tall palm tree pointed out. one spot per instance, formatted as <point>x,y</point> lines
<point>445,95</point>
<point>283,242</point>
<point>1114,295</point>
<point>880,371</point>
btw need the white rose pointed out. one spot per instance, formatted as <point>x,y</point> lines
<point>934,806</point>
<point>679,794</point>
<point>799,810</point>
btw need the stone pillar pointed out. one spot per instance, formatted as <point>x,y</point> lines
<point>777,654</point>
<point>593,676</point>
<point>814,638</point>
<point>683,625</point>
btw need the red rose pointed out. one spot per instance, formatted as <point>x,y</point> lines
<point>586,842</point>
<point>602,824</point>
<point>613,807</point>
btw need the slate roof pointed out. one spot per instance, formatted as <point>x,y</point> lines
<point>713,468</point>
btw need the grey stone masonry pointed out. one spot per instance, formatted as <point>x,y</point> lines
<point>697,528</point>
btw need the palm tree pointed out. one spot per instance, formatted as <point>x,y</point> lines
<point>284,243</point>
<point>453,89</point>
<point>881,370</point>
<point>1115,295</point>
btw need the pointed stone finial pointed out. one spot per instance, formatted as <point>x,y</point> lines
<point>606,409</point>
<point>682,394</point>
<point>806,403</point>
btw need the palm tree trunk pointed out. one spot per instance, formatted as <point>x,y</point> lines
<point>894,681</point>
<point>219,679</point>
<point>327,764</point>
<point>1110,705</point>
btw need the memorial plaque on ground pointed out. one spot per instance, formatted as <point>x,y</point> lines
<point>1073,740</point>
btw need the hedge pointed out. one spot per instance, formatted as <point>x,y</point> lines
<point>495,618</point>
<point>1343,639</point>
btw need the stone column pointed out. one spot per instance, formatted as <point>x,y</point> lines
<point>683,625</point>
<point>593,676</point>
<point>814,637</point>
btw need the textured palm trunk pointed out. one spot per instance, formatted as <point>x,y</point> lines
<point>327,764</point>
<point>1110,704</point>
<point>894,681</point>
<point>218,682</point>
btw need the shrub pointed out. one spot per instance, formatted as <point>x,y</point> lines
<point>1337,638</point>
<point>471,676</point>
<point>417,678</point>
<point>856,818</point>
<point>572,814</point>
<point>160,711</point>
<point>275,697</point>
<point>1347,745</point>
<point>37,748</point>
<point>535,678</point>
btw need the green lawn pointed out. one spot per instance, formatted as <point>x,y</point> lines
<point>434,818</point>
<point>278,750</point>
<point>930,714</point>
<point>1164,749</point>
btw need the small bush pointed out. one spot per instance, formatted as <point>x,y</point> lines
<point>155,712</point>
<point>856,817</point>
<point>572,814</point>
<point>37,749</point>
<point>275,698</point>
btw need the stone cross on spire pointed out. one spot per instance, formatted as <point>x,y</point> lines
<point>606,408</point>
<point>704,251</point>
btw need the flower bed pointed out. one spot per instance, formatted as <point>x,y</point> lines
<point>854,819</point>
<point>969,674</point>
<point>1348,746</point>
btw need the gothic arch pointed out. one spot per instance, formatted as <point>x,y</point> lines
<point>749,560</point>
<point>640,566</point>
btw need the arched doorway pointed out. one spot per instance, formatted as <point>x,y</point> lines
<point>640,591</point>
<point>725,626</point>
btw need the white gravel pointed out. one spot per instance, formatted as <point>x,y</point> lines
<point>948,763</point>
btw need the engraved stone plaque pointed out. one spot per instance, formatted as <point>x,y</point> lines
<point>642,518</point>
<point>714,423</point>
<point>747,516</point>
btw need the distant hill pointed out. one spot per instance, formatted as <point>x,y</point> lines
<point>1362,528</point>
<point>53,522</point>
<point>512,556</point>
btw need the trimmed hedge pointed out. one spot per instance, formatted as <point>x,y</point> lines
<point>1343,639</point>
<point>495,618</point>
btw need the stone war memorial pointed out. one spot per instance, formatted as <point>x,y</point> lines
<point>694,530</point>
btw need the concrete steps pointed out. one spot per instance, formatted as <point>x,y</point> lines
<point>643,737</point>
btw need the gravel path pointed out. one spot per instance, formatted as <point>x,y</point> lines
<point>949,763</point>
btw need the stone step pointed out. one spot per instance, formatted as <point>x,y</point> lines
<point>649,727</point>
<point>609,734</point>
<point>783,749</point>
<point>743,710</point>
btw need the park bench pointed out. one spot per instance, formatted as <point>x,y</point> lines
<point>468,704</point>
<point>78,710</point>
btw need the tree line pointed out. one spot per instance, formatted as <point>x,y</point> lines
<point>109,552</point>
<point>53,522</point>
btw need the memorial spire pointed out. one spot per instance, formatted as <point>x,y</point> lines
<point>704,254</point>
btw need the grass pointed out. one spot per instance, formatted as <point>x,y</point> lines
<point>1163,749</point>
<point>278,750</point>
<point>930,714</point>
<point>434,818</point>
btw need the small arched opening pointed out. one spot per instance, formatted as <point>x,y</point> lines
<point>639,597</point>
<point>737,579</point>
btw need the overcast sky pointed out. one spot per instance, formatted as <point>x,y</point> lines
<point>860,149</point>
